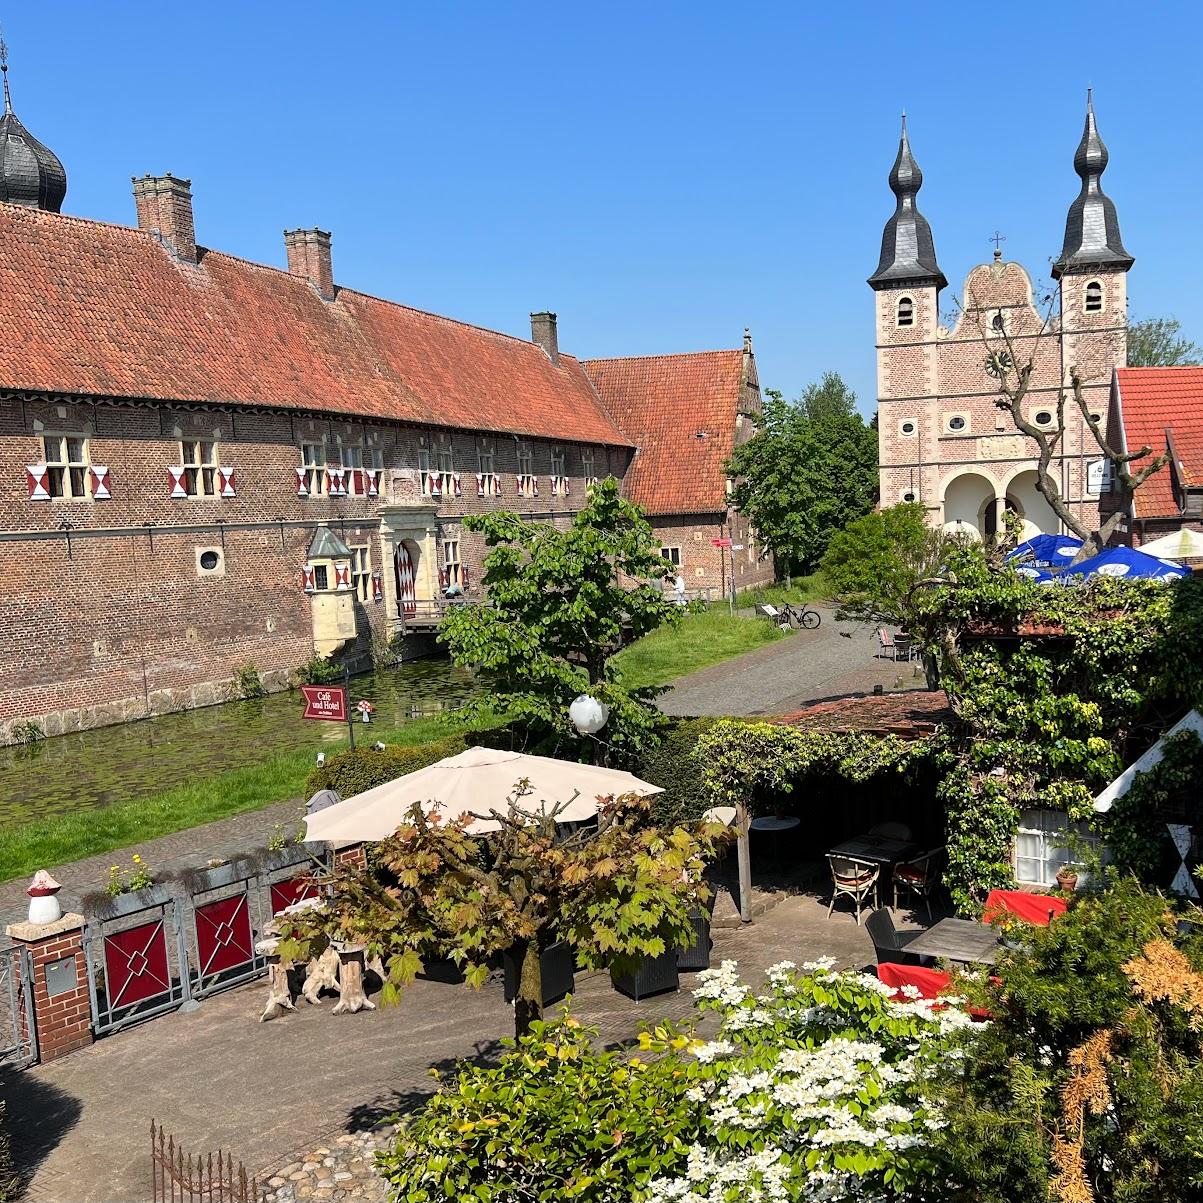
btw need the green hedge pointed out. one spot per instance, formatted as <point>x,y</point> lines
<point>672,765</point>
<point>350,773</point>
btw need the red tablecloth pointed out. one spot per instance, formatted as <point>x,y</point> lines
<point>929,982</point>
<point>1032,908</point>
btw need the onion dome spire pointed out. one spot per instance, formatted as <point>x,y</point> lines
<point>1092,238</point>
<point>30,173</point>
<point>908,253</point>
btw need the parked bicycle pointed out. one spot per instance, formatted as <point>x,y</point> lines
<point>801,616</point>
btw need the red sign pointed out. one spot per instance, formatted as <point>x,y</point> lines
<point>721,542</point>
<point>325,701</point>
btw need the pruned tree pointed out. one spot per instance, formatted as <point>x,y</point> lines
<point>434,892</point>
<point>1014,368</point>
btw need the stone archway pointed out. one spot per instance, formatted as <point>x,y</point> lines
<point>407,536</point>
<point>1025,500</point>
<point>970,506</point>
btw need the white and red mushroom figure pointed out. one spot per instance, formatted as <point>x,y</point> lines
<point>43,898</point>
<point>366,709</point>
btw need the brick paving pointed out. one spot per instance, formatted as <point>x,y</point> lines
<point>273,1092</point>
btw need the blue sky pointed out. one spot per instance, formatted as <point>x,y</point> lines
<point>660,174</point>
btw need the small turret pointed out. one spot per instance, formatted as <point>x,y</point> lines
<point>30,173</point>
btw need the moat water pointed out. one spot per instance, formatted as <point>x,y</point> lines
<point>135,760</point>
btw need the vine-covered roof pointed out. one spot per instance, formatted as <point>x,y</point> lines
<point>910,714</point>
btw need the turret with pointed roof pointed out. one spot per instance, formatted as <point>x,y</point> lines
<point>908,253</point>
<point>30,173</point>
<point>1092,239</point>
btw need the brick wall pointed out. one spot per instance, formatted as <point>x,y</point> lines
<point>705,566</point>
<point>64,1023</point>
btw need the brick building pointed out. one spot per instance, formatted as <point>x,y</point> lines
<point>685,414</point>
<point>943,440</point>
<point>209,463</point>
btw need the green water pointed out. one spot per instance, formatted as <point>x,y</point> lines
<point>93,768</point>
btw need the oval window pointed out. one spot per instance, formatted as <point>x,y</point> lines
<point>208,560</point>
<point>1044,418</point>
<point>957,423</point>
<point>908,428</point>
<point>908,497</point>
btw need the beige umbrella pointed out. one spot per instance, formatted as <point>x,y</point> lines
<point>475,782</point>
<point>1182,544</point>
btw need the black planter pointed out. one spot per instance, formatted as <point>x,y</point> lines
<point>655,975</point>
<point>555,969</point>
<point>442,971</point>
<point>696,955</point>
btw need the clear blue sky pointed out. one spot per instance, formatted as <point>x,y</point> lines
<point>660,174</point>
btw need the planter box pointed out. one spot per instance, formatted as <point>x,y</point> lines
<point>697,954</point>
<point>555,967</point>
<point>654,976</point>
<point>135,900</point>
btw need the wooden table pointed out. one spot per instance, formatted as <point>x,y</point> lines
<point>875,849</point>
<point>964,940</point>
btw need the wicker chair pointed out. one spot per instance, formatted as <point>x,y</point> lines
<point>855,878</point>
<point>892,830</point>
<point>921,876</point>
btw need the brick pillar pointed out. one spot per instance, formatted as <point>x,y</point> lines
<point>350,854</point>
<point>61,1007</point>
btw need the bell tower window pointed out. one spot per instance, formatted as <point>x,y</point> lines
<point>906,312</point>
<point>1094,297</point>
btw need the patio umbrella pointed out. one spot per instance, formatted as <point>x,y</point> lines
<point>475,782</point>
<point>1124,562</point>
<point>1039,575</point>
<point>1185,544</point>
<point>1048,551</point>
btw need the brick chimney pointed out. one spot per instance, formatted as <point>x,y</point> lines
<point>165,209</point>
<point>543,334</point>
<point>309,257</point>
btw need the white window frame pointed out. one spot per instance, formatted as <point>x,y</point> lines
<point>361,571</point>
<point>68,477</point>
<point>321,576</point>
<point>446,470</point>
<point>587,470</point>
<point>200,474</point>
<point>313,462</point>
<point>526,475</point>
<point>1041,845</point>
<point>452,563</point>
<point>486,465</point>
<point>672,555</point>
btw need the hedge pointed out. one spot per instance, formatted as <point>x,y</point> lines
<point>350,773</point>
<point>673,766</point>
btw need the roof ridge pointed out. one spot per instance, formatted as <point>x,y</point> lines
<point>669,355</point>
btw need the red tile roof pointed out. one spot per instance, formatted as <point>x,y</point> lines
<point>92,308</point>
<point>661,403</point>
<point>909,714</point>
<point>1153,400</point>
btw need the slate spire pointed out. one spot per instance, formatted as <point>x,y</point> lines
<point>908,253</point>
<point>1092,238</point>
<point>30,173</point>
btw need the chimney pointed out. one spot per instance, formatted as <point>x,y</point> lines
<point>165,209</point>
<point>309,258</point>
<point>543,333</point>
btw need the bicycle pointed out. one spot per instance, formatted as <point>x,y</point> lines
<point>800,616</point>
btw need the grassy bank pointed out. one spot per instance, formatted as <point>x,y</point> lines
<point>58,839</point>
<point>811,588</point>
<point>701,640</point>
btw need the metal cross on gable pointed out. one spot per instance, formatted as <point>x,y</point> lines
<point>998,239</point>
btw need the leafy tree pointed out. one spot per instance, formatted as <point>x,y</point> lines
<point>434,892</point>
<point>810,468</point>
<point>1154,342</point>
<point>561,604</point>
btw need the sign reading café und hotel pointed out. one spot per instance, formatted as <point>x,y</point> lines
<point>325,702</point>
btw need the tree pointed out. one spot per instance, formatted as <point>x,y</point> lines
<point>561,604</point>
<point>1153,342</point>
<point>810,468</point>
<point>432,891</point>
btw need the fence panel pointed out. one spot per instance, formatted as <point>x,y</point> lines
<point>224,942</point>
<point>18,1032</point>
<point>180,1177</point>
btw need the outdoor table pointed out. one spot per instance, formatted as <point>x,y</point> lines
<point>775,823</point>
<point>876,849</point>
<point>964,940</point>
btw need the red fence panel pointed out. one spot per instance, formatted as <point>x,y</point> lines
<point>136,968</point>
<point>223,935</point>
<point>295,889</point>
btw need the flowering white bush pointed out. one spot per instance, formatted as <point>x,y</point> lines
<point>812,1090</point>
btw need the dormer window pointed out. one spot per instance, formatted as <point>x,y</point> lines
<point>906,312</point>
<point>1094,297</point>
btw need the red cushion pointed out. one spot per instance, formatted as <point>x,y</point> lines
<point>1031,908</point>
<point>931,983</point>
<point>909,873</point>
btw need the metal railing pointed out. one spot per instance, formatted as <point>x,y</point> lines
<point>179,1177</point>
<point>18,1031</point>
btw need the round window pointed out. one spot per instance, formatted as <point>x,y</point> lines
<point>208,560</point>
<point>908,428</point>
<point>1044,418</point>
<point>957,423</point>
<point>908,497</point>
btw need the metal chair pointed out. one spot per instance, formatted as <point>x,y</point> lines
<point>921,876</point>
<point>855,878</point>
<point>888,943</point>
<point>891,829</point>
<point>887,645</point>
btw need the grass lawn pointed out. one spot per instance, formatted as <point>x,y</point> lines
<point>61,838</point>
<point>811,588</point>
<point>701,640</point>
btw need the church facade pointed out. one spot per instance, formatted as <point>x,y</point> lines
<point>944,442</point>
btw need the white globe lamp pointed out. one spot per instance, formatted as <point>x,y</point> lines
<point>588,714</point>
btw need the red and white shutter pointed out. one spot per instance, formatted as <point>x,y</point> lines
<point>373,479</point>
<point>225,482</point>
<point>175,482</point>
<point>443,578</point>
<point>518,486</point>
<point>37,481</point>
<point>463,577</point>
<point>302,482</point>
<point>308,583</point>
<point>567,488</point>
<point>407,597</point>
<point>342,575</point>
<point>534,481</point>
<point>100,483</point>
<point>480,484</point>
<point>436,484</point>
<point>377,586</point>
<point>496,486</point>
<point>459,488</point>
<point>337,482</point>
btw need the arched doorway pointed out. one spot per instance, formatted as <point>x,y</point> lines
<point>970,507</point>
<point>1038,516</point>
<point>405,566</point>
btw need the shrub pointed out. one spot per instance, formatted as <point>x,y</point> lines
<point>248,682</point>
<point>27,732</point>
<point>316,671</point>
<point>672,765</point>
<point>350,773</point>
<point>9,1182</point>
